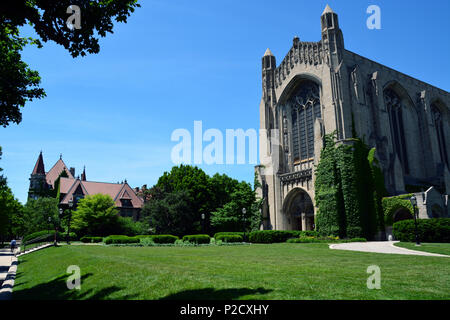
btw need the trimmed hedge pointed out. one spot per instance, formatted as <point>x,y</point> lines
<point>272,236</point>
<point>164,238</point>
<point>429,230</point>
<point>119,239</point>
<point>230,238</point>
<point>229,234</point>
<point>50,236</point>
<point>197,238</point>
<point>88,239</point>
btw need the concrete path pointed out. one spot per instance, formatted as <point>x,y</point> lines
<point>381,247</point>
<point>8,267</point>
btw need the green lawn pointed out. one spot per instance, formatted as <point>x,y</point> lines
<point>441,248</point>
<point>277,271</point>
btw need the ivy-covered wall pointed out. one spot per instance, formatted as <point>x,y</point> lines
<point>392,204</point>
<point>348,190</point>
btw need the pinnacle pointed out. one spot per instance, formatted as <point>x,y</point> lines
<point>327,10</point>
<point>268,53</point>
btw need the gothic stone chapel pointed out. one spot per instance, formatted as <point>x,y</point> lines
<point>321,88</point>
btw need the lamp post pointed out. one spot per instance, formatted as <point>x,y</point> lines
<point>49,221</point>
<point>70,217</point>
<point>414,204</point>
<point>203,222</point>
<point>243,220</point>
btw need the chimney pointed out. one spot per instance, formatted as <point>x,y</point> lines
<point>72,171</point>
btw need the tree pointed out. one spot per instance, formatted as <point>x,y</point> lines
<point>230,217</point>
<point>171,215</point>
<point>37,213</point>
<point>18,83</point>
<point>95,215</point>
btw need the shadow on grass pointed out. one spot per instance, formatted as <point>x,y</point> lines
<point>56,289</point>
<point>213,294</point>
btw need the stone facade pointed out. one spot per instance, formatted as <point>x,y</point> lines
<point>320,88</point>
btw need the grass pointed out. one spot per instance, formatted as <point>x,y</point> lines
<point>441,248</point>
<point>276,271</point>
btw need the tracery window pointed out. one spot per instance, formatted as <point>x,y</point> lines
<point>395,107</point>
<point>305,109</point>
<point>439,127</point>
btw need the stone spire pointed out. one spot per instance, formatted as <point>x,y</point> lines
<point>327,10</point>
<point>83,175</point>
<point>268,53</point>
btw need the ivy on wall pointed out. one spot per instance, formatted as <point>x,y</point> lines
<point>348,188</point>
<point>393,204</point>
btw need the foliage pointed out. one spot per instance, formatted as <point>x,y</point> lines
<point>197,238</point>
<point>379,189</point>
<point>18,83</point>
<point>158,238</point>
<point>392,204</point>
<point>230,238</point>
<point>87,239</point>
<point>129,227</point>
<point>228,233</point>
<point>271,236</point>
<point>429,230</point>
<point>172,214</point>
<point>96,215</point>
<point>330,218</point>
<point>50,235</point>
<point>347,189</point>
<point>120,239</point>
<point>42,214</point>
<point>231,218</point>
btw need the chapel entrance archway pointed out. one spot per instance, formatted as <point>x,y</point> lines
<point>298,210</point>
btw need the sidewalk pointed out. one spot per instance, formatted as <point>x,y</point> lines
<point>8,267</point>
<point>381,247</point>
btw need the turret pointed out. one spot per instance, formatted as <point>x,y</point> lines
<point>269,65</point>
<point>38,183</point>
<point>332,38</point>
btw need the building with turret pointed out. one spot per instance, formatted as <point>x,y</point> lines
<point>72,189</point>
<point>320,88</point>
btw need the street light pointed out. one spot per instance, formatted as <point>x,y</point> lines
<point>203,222</point>
<point>414,204</point>
<point>244,211</point>
<point>70,217</point>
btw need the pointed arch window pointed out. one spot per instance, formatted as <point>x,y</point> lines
<point>439,127</point>
<point>395,108</point>
<point>305,109</point>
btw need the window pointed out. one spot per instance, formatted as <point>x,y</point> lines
<point>395,108</point>
<point>438,125</point>
<point>305,104</point>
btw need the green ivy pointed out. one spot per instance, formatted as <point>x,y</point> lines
<point>392,204</point>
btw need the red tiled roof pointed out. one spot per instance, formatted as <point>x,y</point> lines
<point>55,171</point>
<point>114,190</point>
<point>39,166</point>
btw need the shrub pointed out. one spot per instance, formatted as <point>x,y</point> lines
<point>119,239</point>
<point>164,238</point>
<point>197,238</point>
<point>429,230</point>
<point>309,233</point>
<point>50,236</point>
<point>272,236</point>
<point>230,238</point>
<point>88,239</point>
<point>358,240</point>
<point>229,234</point>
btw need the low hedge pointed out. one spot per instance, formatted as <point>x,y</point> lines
<point>164,238</point>
<point>230,238</point>
<point>50,236</point>
<point>88,239</point>
<point>197,238</point>
<point>229,234</point>
<point>272,236</point>
<point>429,230</point>
<point>119,239</point>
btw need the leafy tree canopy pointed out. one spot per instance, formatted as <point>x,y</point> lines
<point>18,83</point>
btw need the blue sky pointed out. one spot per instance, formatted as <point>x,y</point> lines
<point>178,61</point>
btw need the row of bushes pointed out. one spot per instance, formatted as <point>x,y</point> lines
<point>50,236</point>
<point>428,230</point>
<point>323,240</point>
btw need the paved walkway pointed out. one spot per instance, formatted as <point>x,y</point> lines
<point>8,266</point>
<point>381,247</point>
